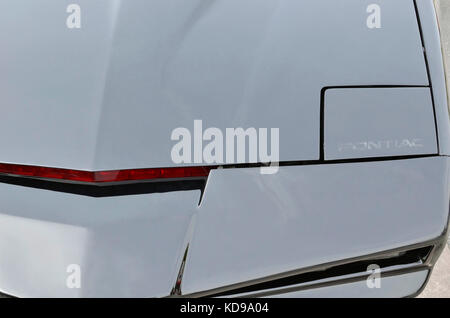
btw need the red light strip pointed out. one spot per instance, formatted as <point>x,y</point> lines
<point>104,176</point>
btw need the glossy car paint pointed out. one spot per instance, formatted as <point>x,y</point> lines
<point>433,50</point>
<point>377,122</point>
<point>107,96</point>
<point>115,89</point>
<point>312,215</point>
<point>125,246</point>
<point>392,287</point>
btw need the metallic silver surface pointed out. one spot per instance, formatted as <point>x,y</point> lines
<point>108,95</point>
<point>443,12</point>
<point>250,226</point>
<point>377,122</point>
<point>390,287</point>
<point>433,51</point>
<point>128,246</point>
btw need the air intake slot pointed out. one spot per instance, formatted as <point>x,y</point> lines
<point>404,259</point>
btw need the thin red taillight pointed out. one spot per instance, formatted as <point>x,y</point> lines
<point>104,176</point>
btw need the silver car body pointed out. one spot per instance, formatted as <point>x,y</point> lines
<point>364,145</point>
